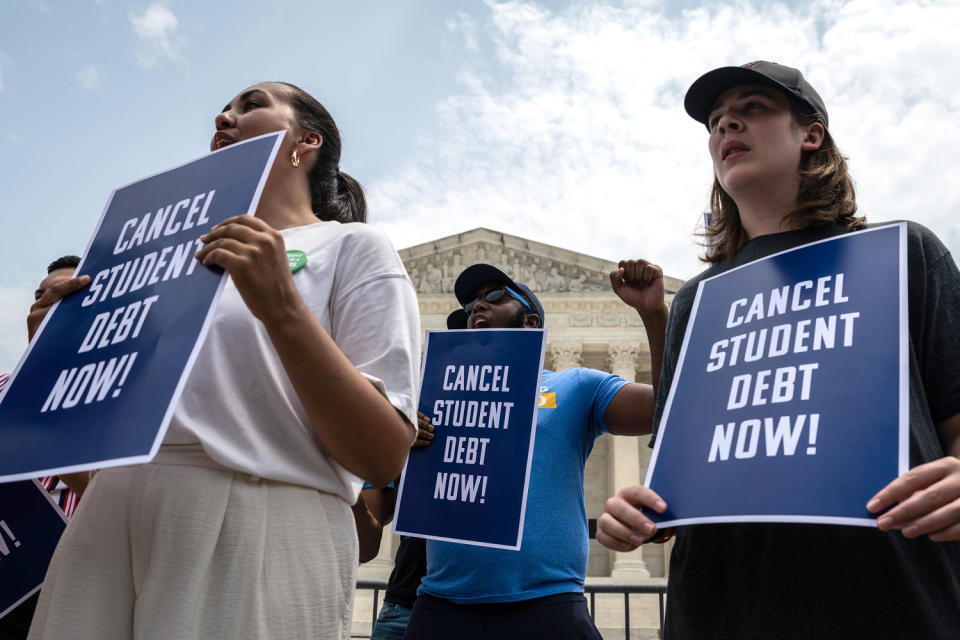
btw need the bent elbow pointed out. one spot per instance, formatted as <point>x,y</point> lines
<point>385,473</point>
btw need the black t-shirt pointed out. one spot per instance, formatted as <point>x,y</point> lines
<point>799,581</point>
<point>409,567</point>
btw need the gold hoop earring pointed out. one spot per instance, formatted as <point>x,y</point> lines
<point>294,159</point>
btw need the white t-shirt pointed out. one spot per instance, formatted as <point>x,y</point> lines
<point>239,404</point>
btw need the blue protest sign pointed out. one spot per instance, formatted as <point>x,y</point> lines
<point>789,402</point>
<point>479,388</point>
<point>100,380</point>
<point>30,527</point>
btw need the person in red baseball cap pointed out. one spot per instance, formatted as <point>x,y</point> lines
<point>780,182</point>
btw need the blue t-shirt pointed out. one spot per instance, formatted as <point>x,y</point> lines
<point>554,550</point>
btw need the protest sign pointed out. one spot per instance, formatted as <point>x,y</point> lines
<point>479,388</point>
<point>789,402</point>
<point>99,382</point>
<point>30,527</point>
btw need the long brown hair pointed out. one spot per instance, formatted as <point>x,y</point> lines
<point>826,194</point>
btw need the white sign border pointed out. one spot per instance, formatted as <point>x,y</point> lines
<point>201,337</point>
<point>59,512</point>
<point>533,434</point>
<point>903,457</point>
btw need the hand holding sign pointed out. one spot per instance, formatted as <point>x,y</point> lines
<point>623,527</point>
<point>929,501</point>
<point>254,255</point>
<point>125,346</point>
<point>50,297</point>
<point>478,399</point>
<point>425,430</point>
<point>789,402</point>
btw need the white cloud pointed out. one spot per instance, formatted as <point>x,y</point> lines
<point>157,37</point>
<point>15,301</point>
<point>581,140</point>
<point>465,28</point>
<point>89,78</point>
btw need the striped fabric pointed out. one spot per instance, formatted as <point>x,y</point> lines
<point>65,497</point>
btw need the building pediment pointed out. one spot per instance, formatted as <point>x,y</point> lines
<point>434,266</point>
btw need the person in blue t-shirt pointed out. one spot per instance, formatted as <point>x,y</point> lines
<point>537,592</point>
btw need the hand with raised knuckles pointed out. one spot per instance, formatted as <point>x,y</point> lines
<point>639,284</point>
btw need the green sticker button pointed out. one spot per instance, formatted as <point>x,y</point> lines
<point>297,260</point>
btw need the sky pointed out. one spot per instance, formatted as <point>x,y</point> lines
<point>559,121</point>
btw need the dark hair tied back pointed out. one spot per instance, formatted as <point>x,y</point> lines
<point>350,200</point>
<point>334,195</point>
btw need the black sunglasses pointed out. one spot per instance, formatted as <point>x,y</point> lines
<point>494,295</point>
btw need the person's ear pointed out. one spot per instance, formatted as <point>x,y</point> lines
<point>309,142</point>
<point>813,137</point>
<point>531,321</point>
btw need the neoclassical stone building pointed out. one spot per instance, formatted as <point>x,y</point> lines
<point>587,325</point>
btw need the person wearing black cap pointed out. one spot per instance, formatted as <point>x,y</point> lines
<point>537,592</point>
<point>779,183</point>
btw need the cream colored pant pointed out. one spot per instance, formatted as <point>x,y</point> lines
<point>178,552</point>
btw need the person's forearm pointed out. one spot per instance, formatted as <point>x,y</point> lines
<point>655,325</point>
<point>356,423</point>
<point>369,531</point>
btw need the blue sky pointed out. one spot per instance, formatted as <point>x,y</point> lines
<point>560,121</point>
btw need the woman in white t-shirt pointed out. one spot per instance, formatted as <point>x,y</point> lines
<point>241,527</point>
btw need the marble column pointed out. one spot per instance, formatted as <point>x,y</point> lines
<point>565,355</point>
<point>383,563</point>
<point>625,460</point>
